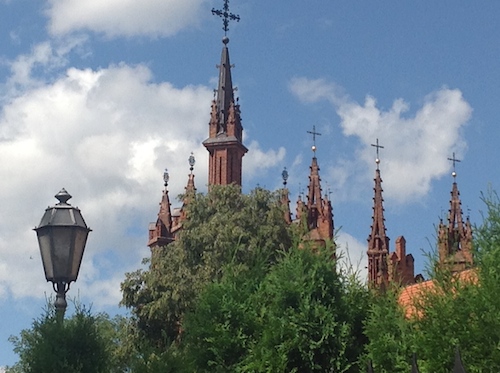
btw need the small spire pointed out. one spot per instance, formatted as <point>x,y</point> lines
<point>455,238</point>
<point>378,241</point>
<point>314,134</point>
<point>160,232</point>
<point>376,145</point>
<point>454,160</point>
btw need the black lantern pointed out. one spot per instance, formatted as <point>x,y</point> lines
<point>62,235</point>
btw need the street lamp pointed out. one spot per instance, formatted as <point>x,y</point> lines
<point>62,235</point>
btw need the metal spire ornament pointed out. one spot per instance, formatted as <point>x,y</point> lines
<point>376,145</point>
<point>314,134</point>
<point>454,160</point>
<point>226,16</point>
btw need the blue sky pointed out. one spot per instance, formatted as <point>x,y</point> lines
<point>99,97</point>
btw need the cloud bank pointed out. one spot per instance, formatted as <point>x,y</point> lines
<point>416,145</point>
<point>106,136</point>
<point>113,18</point>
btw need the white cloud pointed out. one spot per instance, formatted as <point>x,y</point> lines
<point>256,159</point>
<point>106,136</point>
<point>48,57</point>
<point>123,17</point>
<point>352,255</point>
<point>416,146</point>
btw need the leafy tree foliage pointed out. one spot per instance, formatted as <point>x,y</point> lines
<point>295,316</point>
<point>389,333</point>
<point>75,345</point>
<point>224,226</point>
<point>453,312</point>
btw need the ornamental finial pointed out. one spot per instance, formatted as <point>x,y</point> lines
<point>454,160</point>
<point>166,177</point>
<point>376,145</point>
<point>314,134</point>
<point>226,17</point>
<point>191,161</point>
<point>284,175</point>
<point>63,196</point>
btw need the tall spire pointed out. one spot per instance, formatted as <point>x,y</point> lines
<point>160,233</point>
<point>190,190</point>
<point>378,242</point>
<point>319,217</point>
<point>225,141</point>
<point>455,238</point>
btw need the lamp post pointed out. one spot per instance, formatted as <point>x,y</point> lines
<point>62,235</point>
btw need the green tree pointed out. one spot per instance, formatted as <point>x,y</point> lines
<point>294,316</point>
<point>453,312</point>
<point>224,226</point>
<point>75,345</point>
<point>389,333</point>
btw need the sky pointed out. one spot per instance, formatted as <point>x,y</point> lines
<point>99,97</point>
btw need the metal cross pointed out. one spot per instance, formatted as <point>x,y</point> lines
<point>377,161</point>
<point>226,16</point>
<point>314,133</point>
<point>454,160</point>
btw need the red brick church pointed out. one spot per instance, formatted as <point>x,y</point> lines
<point>226,151</point>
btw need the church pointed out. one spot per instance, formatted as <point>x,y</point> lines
<point>226,151</point>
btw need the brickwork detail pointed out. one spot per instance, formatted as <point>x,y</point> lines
<point>385,267</point>
<point>225,141</point>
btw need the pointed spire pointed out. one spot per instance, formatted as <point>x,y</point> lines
<point>455,238</point>
<point>314,187</point>
<point>378,242</point>
<point>225,141</point>
<point>225,93</point>
<point>190,189</point>
<point>160,233</point>
<point>318,210</point>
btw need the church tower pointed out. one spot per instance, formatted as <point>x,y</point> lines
<point>225,138</point>
<point>378,242</point>
<point>169,223</point>
<point>316,213</point>
<point>455,238</point>
<point>385,267</point>
<point>160,232</point>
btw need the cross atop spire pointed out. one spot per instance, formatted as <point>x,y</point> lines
<point>314,134</point>
<point>226,16</point>
<point>376,145</point>
<point>454,160</point>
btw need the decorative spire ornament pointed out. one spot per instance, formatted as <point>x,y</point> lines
<point>226,17</point>
<point>454,160</point>
<point>376,145</point>
<point>314,134</point>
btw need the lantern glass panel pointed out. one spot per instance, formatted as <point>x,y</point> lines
<point>44,242</point>
<point>80,240</point>
<point>62,252</point>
